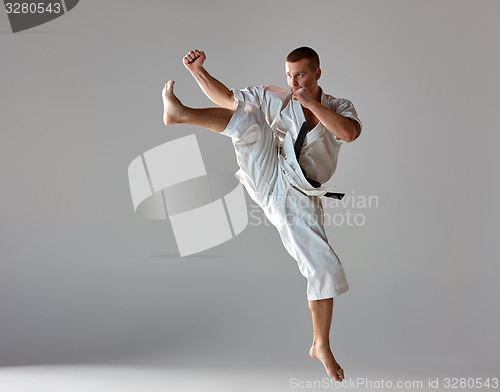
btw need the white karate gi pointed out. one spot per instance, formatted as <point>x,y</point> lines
<point>263,129</point>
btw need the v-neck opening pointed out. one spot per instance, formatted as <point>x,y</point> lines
<point>300,116</point>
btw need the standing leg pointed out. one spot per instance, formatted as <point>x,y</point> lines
<point>174,112</point>
<point>321,314</point>
<point>303,235</point>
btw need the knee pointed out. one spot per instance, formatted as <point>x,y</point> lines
<point>254,114</point>
<point>251,135</point>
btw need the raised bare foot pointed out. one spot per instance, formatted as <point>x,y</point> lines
<point>173,109</point>
<point>322,353</point>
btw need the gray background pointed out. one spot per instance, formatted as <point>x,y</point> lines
<point>83,279</point>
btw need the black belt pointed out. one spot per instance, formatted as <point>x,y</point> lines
<point>298,148</point>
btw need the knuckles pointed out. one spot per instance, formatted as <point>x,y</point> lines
<point>194,55</point>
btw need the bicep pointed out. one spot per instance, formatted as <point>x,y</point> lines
<point>229,101</point>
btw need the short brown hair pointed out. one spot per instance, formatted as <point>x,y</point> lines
<point>304,52</point>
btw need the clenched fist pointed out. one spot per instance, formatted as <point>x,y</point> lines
<point>304,97</point>
<point>194,60</point>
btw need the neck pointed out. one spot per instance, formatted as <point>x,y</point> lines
<point>317,94</point>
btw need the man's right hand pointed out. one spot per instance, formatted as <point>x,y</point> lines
<point>213,89</point>
<point>194,60</point>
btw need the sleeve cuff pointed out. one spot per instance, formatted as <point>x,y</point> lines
<point>237,94</point>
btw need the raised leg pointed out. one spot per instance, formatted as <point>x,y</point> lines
<point>321,314</point>
<point>174,112</point>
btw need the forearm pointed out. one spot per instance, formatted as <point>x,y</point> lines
<point>213,89</point>
<point>340,126</point>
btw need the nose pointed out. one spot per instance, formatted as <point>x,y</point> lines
<point>294,81</point>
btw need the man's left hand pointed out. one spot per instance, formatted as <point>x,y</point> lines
<point>304,97</point>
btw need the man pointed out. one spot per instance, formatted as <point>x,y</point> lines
<point>283,177</point>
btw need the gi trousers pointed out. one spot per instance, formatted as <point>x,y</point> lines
<point>298,217</point>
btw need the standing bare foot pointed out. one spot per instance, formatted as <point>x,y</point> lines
<point>323,353</point>
<point>173,109</point>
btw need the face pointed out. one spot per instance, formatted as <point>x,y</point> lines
<point>299,75</point>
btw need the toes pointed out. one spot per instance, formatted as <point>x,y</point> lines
<point>340,372</point>
<point>169,86</point>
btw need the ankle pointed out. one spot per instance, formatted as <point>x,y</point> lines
<point>319,343</point>
<point>183,114</point>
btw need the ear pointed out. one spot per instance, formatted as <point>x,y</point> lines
<point>318,73</point>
